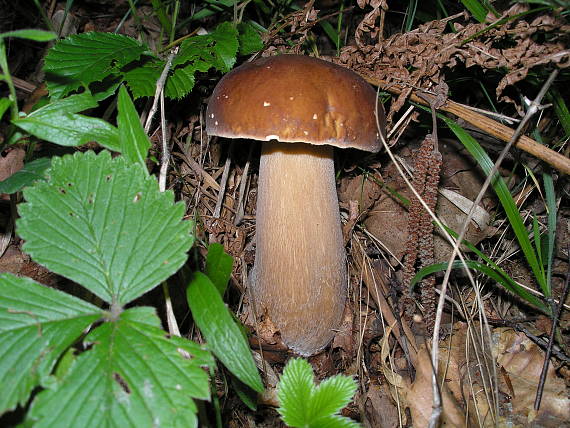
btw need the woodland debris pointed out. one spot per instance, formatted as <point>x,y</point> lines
<point>418,58</point>
<point>419,246</point>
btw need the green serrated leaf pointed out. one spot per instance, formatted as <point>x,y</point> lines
<point>192,49</point>
<point>219,266</point>
<point>217,49</point>
<point>304,405</point>
<point>58,123</point>
<point>31,172</point>
<point>181,82</point>
<point>226,46</point>
<point>222,334</point>
<point>294,392</point>
<point>249,39</point>
<point>30,34</point>
<point>103,223</point>
<point>142,80</point>
<point>333,421</point>
<point>37,324</point>
<point>84,58</point>
<point>133,139</point>
<point>331,396</point>
<point>199,53</point>
<point>133,376</point>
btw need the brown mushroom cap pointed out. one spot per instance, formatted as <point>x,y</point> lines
<point>295,98</point>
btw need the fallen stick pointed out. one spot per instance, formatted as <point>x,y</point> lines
<point>492,127</point>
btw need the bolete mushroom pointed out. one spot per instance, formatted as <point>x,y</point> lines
<point>299,277</point>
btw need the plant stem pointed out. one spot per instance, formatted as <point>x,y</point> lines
<point>556,317</point>
<point>8,79</point>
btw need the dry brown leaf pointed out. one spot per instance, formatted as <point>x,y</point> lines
<point>522,361</point>
<point>379,410</point>
<point>387,218</point>
<point>12,162</point>
<point>363,189</point>
<point>13,260</point>
<point>418,396</point>
<point>466,369</point>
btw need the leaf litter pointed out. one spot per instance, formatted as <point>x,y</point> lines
<point>416,59</point>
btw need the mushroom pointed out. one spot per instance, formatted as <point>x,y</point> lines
<point>299,278</point>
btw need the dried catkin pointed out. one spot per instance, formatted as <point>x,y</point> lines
<point>419,247</point>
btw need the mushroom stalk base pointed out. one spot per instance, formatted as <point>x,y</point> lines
<point>299,277</point>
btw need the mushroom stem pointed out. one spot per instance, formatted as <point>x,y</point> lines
<point>300,263</point>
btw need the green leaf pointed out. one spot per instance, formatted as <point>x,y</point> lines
<point>72,104</point>
<point>478,10</point>
<point>37,324</point>
<point>506,200</point>
<point>225,37</point>
<point>104,224</point>
<point>211,7</point>
<point>222,334</point>
<point>304,405</point>
<point>491,269</point>
<point>249,39</point>
<point>133,139</point>
<point>495,274</point>
<point>142,80</point>
<point>551,233</point>
<point>537,242</point>
<point>217,49</point>
<point>332,395</point>
<point>5,104</point>
<point>133,376</point>
<point>58,123</point>
<point>561,109</point>
<point>295,391</point>
<point>219,266</point>
<point>333,34</point>
<point>334,421</point>
<point>158,7</point>
<point>70,129</point>
<point>247,395</point>
<point>31,34</point>
<point>198,53</point>
<point>181,82</point>
<point>31,172</point>
<point>84,58</point>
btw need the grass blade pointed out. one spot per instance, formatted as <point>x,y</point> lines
<point>506,200</point>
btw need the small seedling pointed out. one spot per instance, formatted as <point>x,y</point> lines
<point>304,404</point>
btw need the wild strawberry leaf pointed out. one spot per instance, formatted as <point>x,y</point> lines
<point>37,324</point>
<point>133,375</point>
<point>103,223</point>
<point>84,58</point>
